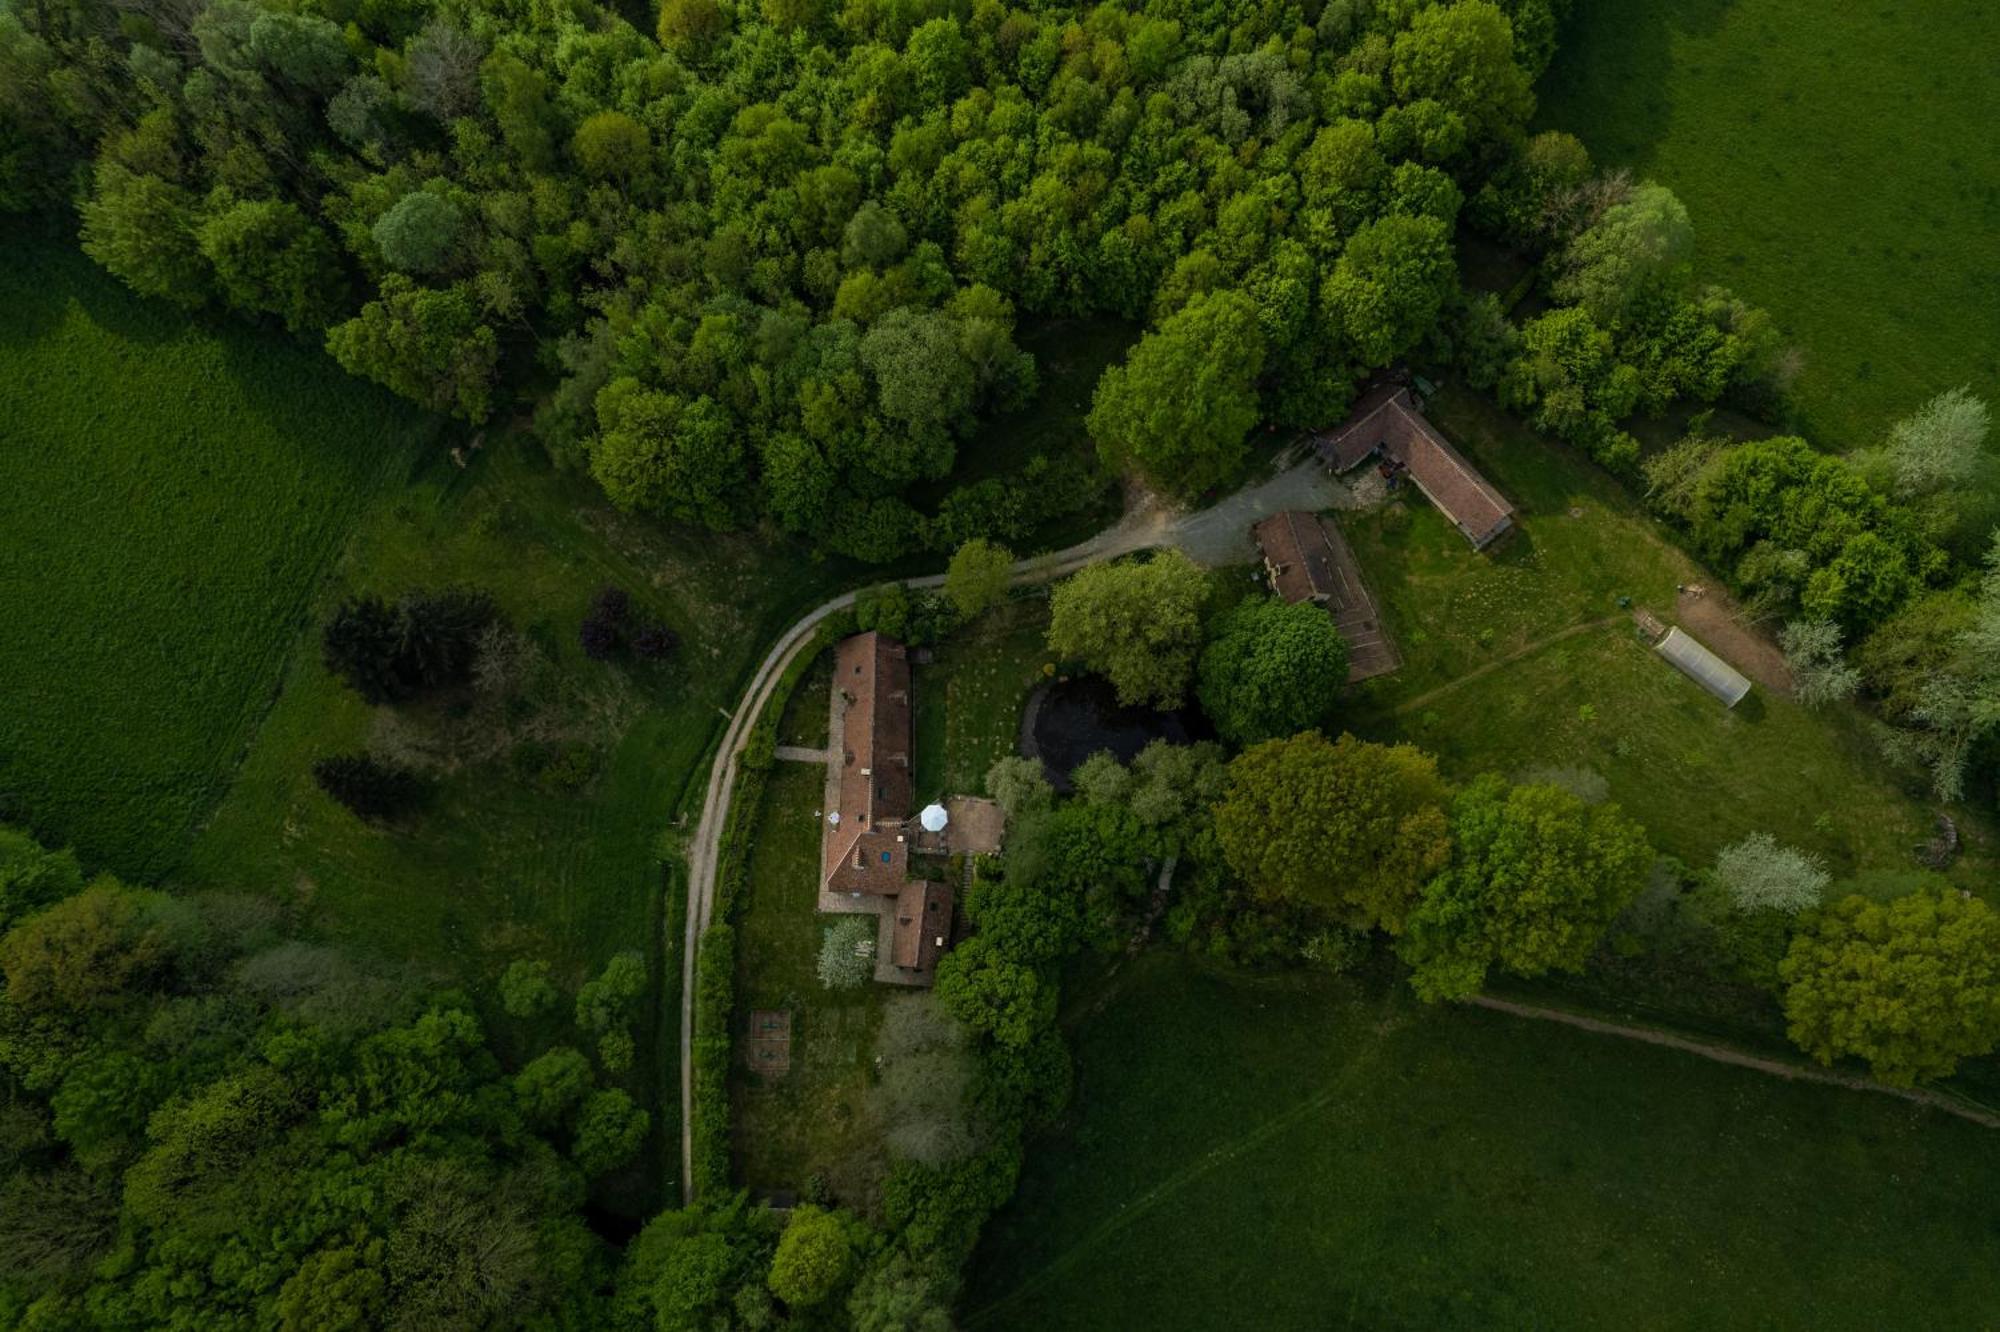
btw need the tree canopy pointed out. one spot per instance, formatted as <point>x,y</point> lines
<point>1137,624</point>
<point>1271,669</point>
<point>1911,985</point>
<point>1352,828</point>
<point>1535,877</point>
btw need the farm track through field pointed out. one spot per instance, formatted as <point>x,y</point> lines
<point>1722,1054</point>
<point>1481,672</point>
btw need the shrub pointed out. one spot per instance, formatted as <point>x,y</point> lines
<point>526,990</point>
<point>847,953</point>
<point>1758,875</point>
<point>654,641</point>
<point>428,641</point>
<point>369,788</point>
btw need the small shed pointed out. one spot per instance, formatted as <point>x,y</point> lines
<point>1706,669</point>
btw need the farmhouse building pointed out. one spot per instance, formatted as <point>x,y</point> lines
<point>1388,424</point>
<point>1307,559</point>
<point>865,851</point>
<point>865,848</point>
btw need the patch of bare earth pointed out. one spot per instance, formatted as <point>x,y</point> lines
<point>1714,618</point>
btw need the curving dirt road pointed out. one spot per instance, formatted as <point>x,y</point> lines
<point>1218,534</point>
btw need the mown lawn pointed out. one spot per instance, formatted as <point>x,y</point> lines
<point>171,495</point>
<point>814,1119</point>
<point>1488,683</point>
<point>1837,160</point>
<point>1310,1153</point>
<point>969,696</point>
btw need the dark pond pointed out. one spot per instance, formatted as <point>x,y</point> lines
<point>1069,720</point>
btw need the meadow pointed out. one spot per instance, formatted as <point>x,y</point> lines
<point>171,496</point>
<point>1523,661</point>
<point>1318,1152</point>
<point>1837,162</point>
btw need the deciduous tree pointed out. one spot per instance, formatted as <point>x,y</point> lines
<point>1271,669</point>
<point>1352,828</point>
<point>1136,624</point>
<point>1535,878</point>
<point>1912,985</point>
<point>1180,406</point>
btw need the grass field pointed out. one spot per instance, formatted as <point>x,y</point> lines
<point>814,1119</point>
<point>969,697</point>
<point>1488,684</point>
<point>171,496</point>
<point>1837,160</point>
<point>1321,1153</point>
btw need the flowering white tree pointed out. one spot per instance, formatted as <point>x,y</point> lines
<point>1938,445</point>
<point>1760,874</point>
<point>847,953</point>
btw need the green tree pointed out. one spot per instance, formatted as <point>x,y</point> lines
<point>1911,985</point>
<point>525,988</point>
<point>423,232</point>
<point>268,258</point>
<point>814,1260</point>
<point>1019,785</point>
<point>1536,877</point>
<point>664,455</point>
<point>991,993</point>
<point>428,344</point>
<point>87,950</point>
<point>1641,248</point>
<point>142,229</point>
<point>1271,669</point>
<point>1355,829</point>
<point>31,877</point>
<point>609,1131</point>
<point>1179,408</point>
<point>612,146</point>
<point>1136,624</point>
<point>977,576</point>
<point>894,1294</point>
<point>1461,56</point>
<point>607,1000</point>
<point>551,1084</point>
<point>1386,290</point>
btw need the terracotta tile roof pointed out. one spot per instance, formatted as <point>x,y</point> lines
<point>923,925</point>
<point>1307,558</point>
<point>865,850</point>
<point>1296,555</point>
<point>1388,420</point>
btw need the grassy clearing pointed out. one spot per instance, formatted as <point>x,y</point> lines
<point>1837,161</point>
<point>551,819</point>
<point>1486,683</point>
<point>170,497</point>
<point>814,1119</point>
<point>969,697</point>
<point>1309,1152</point>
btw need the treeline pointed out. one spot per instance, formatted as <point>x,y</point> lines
<point>208,1120</point>
<point>771,263</point>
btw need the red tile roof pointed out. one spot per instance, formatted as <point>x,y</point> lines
<point>1297,555</point>
<point>923,925</point>
<point>865,851</point>
<point>1387,419</point>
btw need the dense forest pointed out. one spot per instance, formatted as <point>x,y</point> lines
<point>769,266</point>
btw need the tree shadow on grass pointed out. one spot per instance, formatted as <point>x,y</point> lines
<point>1613,69</point>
